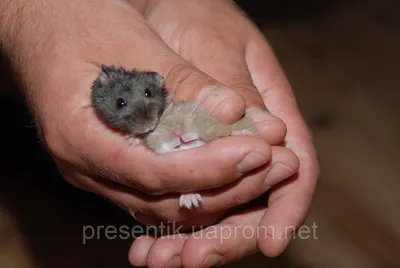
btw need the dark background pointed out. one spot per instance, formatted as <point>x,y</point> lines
<point>342,59</point>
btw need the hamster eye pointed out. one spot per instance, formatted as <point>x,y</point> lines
<point>121,103</point>
<point>148,94</point>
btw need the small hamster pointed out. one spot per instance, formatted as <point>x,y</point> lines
<point>184,125</point>
<point>131,101</point>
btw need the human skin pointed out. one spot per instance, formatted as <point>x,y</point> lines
<point>55,49</point>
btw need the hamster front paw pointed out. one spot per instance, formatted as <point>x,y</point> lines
<point>244,126</point>
<point>189,200</point>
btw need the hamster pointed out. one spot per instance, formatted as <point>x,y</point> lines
<point>184,125</point>
<point>131,101</point>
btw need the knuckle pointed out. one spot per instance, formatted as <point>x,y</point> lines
<point>232,106</point>
<point>181,78</point>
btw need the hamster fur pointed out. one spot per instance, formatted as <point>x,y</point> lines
<point>131,101</point>
<point>184,125</point>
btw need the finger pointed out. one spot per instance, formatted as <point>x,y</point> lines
<point>283,164</point>
<point>166,207</point>
<point>289,203</point>
<point>139,250</point>
<point>165,251</point>
<point>226,242</point>
<point>287,209</point>
<point>269,127</point>
<point>274,87</point>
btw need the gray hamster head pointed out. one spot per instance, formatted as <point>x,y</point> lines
<point>132,101</point>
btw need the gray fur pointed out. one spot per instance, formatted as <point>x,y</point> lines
<point>140,114</point>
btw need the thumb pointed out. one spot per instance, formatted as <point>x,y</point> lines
<point>185,82</point>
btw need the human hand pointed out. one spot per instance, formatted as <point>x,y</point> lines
<point>234,52</point>
<point>56,49</point>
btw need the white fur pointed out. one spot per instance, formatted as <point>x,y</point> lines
<point>189,200</point>
<point>190,136</point>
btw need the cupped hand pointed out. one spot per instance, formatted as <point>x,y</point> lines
<point>56,49</point>
<point>234,52</point>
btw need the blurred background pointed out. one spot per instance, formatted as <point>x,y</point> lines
<point>342,59</point>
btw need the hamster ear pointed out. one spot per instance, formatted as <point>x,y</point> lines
<point>158,79</point>
<point>105,75</point>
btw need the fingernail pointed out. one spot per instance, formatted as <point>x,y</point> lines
<point>250,162</point>
<point>211,260</point>
<point>278,173</point>
<point>219,99</point>
<point>175,262</point>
